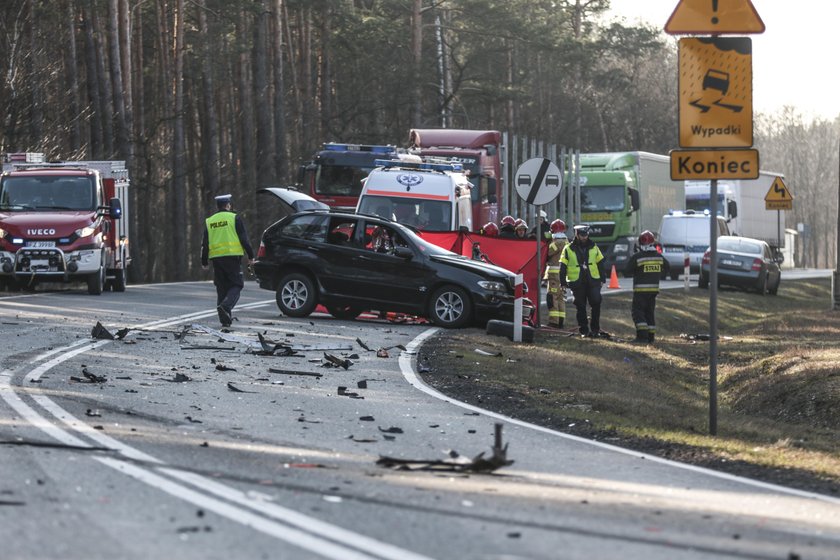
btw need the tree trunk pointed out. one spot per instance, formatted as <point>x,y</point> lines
<point>97,142</point>
<point>417,59</point>
<point>71,63</point>
<point>280,152</point>
<point>210,133</point>
<point>175,232</point>
<point>120,121</point>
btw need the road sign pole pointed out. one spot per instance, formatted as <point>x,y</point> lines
<point>538,230</point>
<point>713,319</point>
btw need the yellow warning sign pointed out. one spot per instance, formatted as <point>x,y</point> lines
<point>778,197</point>
<point>699,17</point>
<point>715,84</point>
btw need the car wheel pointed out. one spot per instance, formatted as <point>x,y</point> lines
<point>450,307</point>
<point>703,282</point>
<point>762,285</point>
<point>96,281</point>
<point>296,295</point>
<point>775,289</point>
<point>346,312</point>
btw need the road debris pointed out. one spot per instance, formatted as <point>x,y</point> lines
<point>222,367</point>
<point>488,353</point>
<point>363,345</point>
<point>100,332</point>
<point>343,392</point>
<point>362,384</point>
<point>233,388</point>
<point>334,361</point>
<point>292,372</point>
<point>179,378</point>
<point>92,377</point>
<point>456,462</point>
<point>367,418</point>
<point>382,353</point>
<point>391,430</point>
<point>93,413</point>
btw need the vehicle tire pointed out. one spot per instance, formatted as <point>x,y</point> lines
<point>496,327</point>
<point>118,283</point>
<point>703,282</point>
<point>450,307</point>
<point>775,289</point>
<point>675,275</point>
<point>96,282</point>
<point>762,285</point>
<point>346,312</point>
<point>296,295</point>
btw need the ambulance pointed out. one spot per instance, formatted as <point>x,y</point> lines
<point>429,196</point>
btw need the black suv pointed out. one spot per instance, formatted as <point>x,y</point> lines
<point>351,263</point>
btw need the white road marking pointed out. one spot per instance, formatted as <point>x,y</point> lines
<point>406,366</point>
<point>314,535</point>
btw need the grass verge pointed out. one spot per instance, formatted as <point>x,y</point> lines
<point>778,381</point>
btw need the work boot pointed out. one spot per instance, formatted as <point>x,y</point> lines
<point>642,336</point>
<point>560,323</point>
<point>650,338</point>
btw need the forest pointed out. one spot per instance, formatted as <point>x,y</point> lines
<point>204,97</point>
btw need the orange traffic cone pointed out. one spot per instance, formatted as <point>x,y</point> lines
<point>614,280</point>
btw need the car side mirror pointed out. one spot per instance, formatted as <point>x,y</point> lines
<point>403,253</point>
<point>115,208</point>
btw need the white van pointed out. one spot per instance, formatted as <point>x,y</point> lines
<point>428,196</point>
<point>687,231</point>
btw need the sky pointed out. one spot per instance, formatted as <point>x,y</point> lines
<point>794,60</point>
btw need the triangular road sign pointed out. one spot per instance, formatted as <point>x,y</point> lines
<point>778,192</point>
<point>699,17</point>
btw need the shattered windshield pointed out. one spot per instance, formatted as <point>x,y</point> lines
<point>46,193</point>
<point>595,198</point>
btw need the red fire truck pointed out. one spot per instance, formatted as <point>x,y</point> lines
<point>478,151</point>
<point>63,222</point>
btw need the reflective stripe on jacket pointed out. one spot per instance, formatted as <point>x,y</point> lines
<point>647,268</point>
<point>222,239</point>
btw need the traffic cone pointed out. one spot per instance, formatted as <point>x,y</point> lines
<point>614,280</point>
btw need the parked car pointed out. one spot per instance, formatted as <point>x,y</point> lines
<point>683,232</point>
<point>743,262</point>
<point>351,263</point>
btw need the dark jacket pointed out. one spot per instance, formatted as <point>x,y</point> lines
<point>647,267</point>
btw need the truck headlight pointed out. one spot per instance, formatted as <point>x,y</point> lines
<point>85,231</point>
<point>621,248</point>
<point>2,233</point>
<point>491,286</point>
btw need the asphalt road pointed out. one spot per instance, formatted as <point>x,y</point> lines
<point>190,448</point>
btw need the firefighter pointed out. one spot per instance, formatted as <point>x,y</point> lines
<point>507,227</point>
<point>647,266</point>
<point>556,296</point>
<point>490,229</point>
<point>520,229</point>
<point>582,271</point>
<point>225,241</point>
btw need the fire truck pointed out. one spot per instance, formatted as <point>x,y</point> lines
<point>335,174</point>
<point>63,222</point>
<point>479,152</point>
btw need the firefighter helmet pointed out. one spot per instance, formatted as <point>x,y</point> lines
<point>646,238</point>
<point>490,229</point>
<point>520,224</point>
<point>508,221</point>
<point>557,226</point>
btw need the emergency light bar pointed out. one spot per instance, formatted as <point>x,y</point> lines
<point>333,147</point>
<point>418,166</point>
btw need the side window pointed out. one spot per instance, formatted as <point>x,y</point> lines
<point>341,231</point>
<point>311,227</point>
<point>381,239</point>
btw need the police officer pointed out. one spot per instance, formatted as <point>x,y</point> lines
<point>225,241</point>
<point>555,298</point>
<point>647,266</point>
<point>582,270</point>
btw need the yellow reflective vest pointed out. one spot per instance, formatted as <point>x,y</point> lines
<point>570,259</point>
<point>222,239</point>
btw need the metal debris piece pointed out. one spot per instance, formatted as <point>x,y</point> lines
<point>391,430</point>
<point>100,332</point>
<point>363,440</point>
<point>222,367</point>
<point>93,413</point>
<point>382,353</point>
<point>180,378</point>
<point>235,389</point>
<point>455,463</point>
<point>487,353</point>
<point>193,420</point>
<point>367,418</point>
<point>121,334</point>
<point>302,418</point>
<point>363,345</point>
<point>338,362</point>
<point>362,384</point>
<point>292,372</point>
<point>92,377</point>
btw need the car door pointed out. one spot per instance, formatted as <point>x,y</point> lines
<point>384,277</point>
